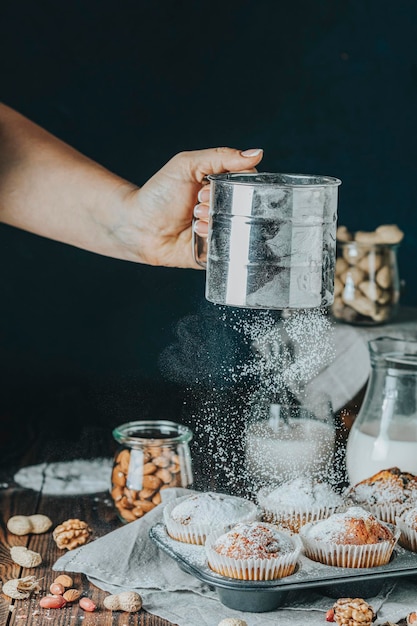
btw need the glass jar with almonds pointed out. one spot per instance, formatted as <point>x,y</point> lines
<point>152,456</point>
<point>367,285</point>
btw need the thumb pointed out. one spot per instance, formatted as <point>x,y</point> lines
<point>200,163</point>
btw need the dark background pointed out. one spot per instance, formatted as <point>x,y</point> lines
<point>325,87</point>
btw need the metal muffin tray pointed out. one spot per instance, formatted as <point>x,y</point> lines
<point>262,596</point>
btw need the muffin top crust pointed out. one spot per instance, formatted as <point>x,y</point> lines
<point>212,509</point>
<point>352,527</point>
<point>301,493</point>
<point>254,540</point>
<point>390,486</point>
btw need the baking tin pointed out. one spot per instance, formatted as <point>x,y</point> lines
<point>262,596</point>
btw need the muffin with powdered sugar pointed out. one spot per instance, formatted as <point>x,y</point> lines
<point>191,518</point>
<point>253,551</point>
<point>386,494</point>
<point>407,523</point>
<point>297,502</point>
<point>354,538</point>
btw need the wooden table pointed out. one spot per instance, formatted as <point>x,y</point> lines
<point>95,509</point>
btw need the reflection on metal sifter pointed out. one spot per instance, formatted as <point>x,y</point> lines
<point>271,241</point>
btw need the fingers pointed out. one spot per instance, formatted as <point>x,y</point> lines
<point>200,163</point>
<point>201,210</point>
<point>201,228</point>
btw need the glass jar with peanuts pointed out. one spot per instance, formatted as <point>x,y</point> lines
<point>152,456</point>
<point>367,284</point>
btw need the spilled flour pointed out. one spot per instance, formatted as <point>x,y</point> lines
<point>67,478</point>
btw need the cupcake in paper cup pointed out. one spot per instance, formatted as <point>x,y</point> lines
<point>297,502</point>
<point>253,551</point>
<point>407,523</point>
<point>191,518</point>
<point>386,494</point>
<point>354,538</point>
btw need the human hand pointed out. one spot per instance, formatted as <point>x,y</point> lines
<point>160,213</point>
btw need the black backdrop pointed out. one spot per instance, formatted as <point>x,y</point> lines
<point>327,87</point>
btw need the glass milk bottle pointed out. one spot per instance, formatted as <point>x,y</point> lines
<point>384,434</point>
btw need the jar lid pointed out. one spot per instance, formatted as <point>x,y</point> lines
<point>154,432</point>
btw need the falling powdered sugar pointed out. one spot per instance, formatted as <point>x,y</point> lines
<point>236,363</point>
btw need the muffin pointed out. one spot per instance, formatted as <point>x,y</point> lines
<point>407,523</point>
<point>253,551</point>
<point>354,538</point>
<point>296,502</point>
<point>191,518</point>
<point>386,494</point>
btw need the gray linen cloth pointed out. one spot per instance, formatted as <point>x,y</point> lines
<point>127,559</point>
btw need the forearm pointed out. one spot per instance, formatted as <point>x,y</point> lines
<point>48,188</point>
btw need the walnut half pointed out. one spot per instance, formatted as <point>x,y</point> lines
<point>71,534</point>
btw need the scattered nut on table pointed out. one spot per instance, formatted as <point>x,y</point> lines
<point>71,534</point>
<point>128,601</point>
<point>52,602</point>
<point>64,580</point>
<point>87,605</point>
<point>57,589</point>
<point>29,524</point>
<point>412,618</point>
<point>353,612</point>
<point>72,595</point>
<point>232,621</point>
<point>21,588</point>
<point>24,557</point>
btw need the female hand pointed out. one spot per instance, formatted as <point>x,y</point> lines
<point>162,210</point>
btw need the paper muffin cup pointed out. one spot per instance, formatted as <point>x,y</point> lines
<point>292,519</point>
<point>342,555</point>
<point>408,536</point>
<point>197,533</point>
<point>384,512</point>
<point>253,569</point>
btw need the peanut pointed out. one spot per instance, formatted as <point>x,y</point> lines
<point>232,621</point>
<point>57,589</point>
<point>341,265</point>
<point>128,601</point>
<point>389,233</point>
<point>87,605</point>
<point>27,524</point>
<point>24,557</point>
<point>52,602</point>
<point>21,588</point>
<point>342,234</point>
<point>365,237</point>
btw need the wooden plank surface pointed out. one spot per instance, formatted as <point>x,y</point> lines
<point>96,510</point>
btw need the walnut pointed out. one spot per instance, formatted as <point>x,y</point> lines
<point>353,612</point>
<point>71,534</point>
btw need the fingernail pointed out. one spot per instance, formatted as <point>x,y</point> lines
<point>197,210</point>
<point>251,153</point>
<point>203,195</point>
